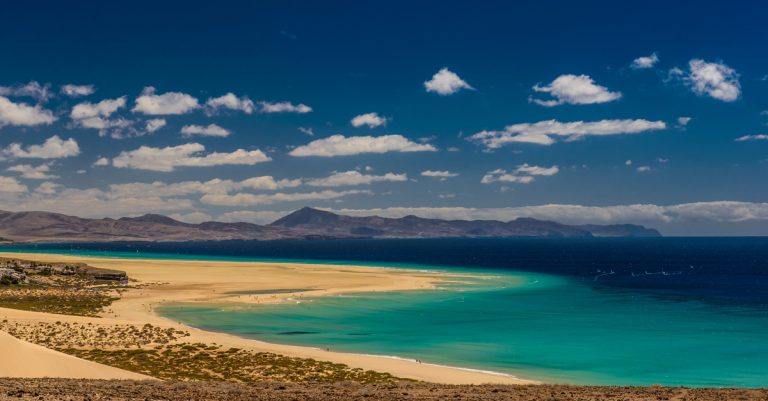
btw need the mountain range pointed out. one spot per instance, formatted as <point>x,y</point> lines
<point>306,223</point>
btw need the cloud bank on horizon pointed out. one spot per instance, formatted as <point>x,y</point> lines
<point>654,130</point>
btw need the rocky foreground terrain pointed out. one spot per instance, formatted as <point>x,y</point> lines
<point>64,288</point>
<point>59,389</point>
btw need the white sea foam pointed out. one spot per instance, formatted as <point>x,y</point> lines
<point>399,358</point>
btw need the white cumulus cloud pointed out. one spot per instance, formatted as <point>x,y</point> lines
<point>372,120</point>
<point>30,172</point>
<point>90,202</point>
<point>22,114</point>
<point>11,185</point>
<point>645,62</point>
<point>523,174</point>
<point>536,170</point>
<point>758,137</point>
<point>210,130</point>
<point>284,107</point>
<point>33,89</point>
<point>248,199</point>
<point>229,101</point>
<point>53,148</point>
<point>213,186</point>
<point>439,174</point>
<point>718,211</point>
<point>72,90</point>
<point>104,108</point>
<point>500,175</point>
<point>574,89</point>
<point>47,188</point>
<point>544,132</point>
<point>185,155</point>
<point>716,80</point>
<point>446,82</point>
<point>155,124</point>
<point>97,115</point>
<point>267,182</point>
<point>339,145</point>
<point>353,177</point>
<point>682,122</point>
<point>168,103</point>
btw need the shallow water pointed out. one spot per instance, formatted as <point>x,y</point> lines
<point>549,328</point>
<point>676,311</point>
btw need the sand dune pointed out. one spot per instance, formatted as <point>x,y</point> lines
<point>25,360</point>
<point>219,282</point>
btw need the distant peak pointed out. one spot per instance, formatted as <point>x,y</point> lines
<point>305,215</point>
<point>307,209</point>
<point>153,218</point>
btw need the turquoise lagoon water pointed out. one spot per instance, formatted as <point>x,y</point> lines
<point>673,311</point>
<point>529,325</point>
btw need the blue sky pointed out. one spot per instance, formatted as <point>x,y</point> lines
<point>652,113</point>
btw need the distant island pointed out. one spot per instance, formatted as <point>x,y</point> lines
<point>305,223</point>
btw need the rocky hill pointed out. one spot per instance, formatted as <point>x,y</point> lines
<point>306,223</point>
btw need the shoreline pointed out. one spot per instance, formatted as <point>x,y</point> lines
<point>174,281</point>
<point>182,257</point>
<point>382,356</point>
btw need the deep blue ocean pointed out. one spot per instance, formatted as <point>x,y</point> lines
<point>640,311</point>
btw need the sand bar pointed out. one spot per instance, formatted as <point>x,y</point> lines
<point>219,281</point>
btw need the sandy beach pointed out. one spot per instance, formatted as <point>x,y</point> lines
<point>171,281</point>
